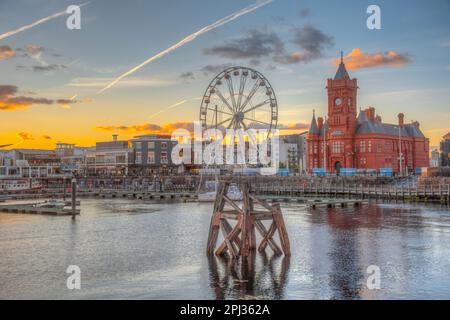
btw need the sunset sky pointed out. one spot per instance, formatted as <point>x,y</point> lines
<point>50,76</point>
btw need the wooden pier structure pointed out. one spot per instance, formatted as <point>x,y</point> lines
<point>240,240</point>
<point>32,209</point>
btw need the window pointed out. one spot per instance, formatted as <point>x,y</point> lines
<point>379,147</point>
<point>138,159</point>
<point>151,157</point>
<point>337,120</point>
<point>164,158</point>
<point>163,145</point>
<point>362,146</point>
<point>388,146</point>
<point>369,146</point>
<point>337,147</point>
<point>121,159</point>
<point>151,145</point>
<point>315,148</point>
<point>138,145</point>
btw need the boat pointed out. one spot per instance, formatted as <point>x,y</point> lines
<point>51,204</point>
<point>18,185</point>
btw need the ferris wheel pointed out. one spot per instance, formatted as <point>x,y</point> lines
<point>239,98</point>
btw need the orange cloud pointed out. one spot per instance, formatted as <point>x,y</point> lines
<point>6,52</point>
<point>357,59</point>
<point>9,100</point>
<point>168,128</point>
<point>25,136</point>
<point>148,128</point>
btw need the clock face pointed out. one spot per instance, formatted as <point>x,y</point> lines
<point>338,101</point>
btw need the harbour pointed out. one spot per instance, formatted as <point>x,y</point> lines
<point>126,250</point>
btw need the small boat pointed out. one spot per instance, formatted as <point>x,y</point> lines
<point>51,204</point>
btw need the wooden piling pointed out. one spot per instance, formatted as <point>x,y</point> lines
<point>74,198</point>
<point>240,240</point>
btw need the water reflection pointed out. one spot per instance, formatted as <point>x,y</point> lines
<point>256,277</point>
<point>146,250</point>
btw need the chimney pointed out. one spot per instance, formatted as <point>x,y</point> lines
<point>320,123</point>
<point>115,137</point>
<point>417,124</point>
<point>401,119</point>
<point>378,118</point>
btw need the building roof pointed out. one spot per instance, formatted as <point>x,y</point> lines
<point>313,129</point>
<point>447,136</point>
<point>324,128</point>
<point>35,151</point>
<point>341,71</point>
<point>374,126</point>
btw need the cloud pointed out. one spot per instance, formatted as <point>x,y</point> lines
<point>9,100</point>
<point>258,44</point>
<point>51,67</point>
<point>6,52</point>
<point>215,69</point>
<point>32,50</point>
<point>288,58</point>
<point>25,136</point>
<point>255,44</point>
<point>187,76</point>
<point>133,82</point>
<point>358,60</point>
<point>148,128</point>
<point>298,126</point>
<point>312,41</point>
<point>45,137</point>
<point>304,13</point>
<point>280,126</point>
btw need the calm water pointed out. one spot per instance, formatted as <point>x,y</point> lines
<point>135,250</point>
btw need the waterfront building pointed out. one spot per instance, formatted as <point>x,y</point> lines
<point>363,141</point>
<point>152,155</point>
<point>445,151</point>
<point>27,163</point>
<point>435,158</point>
<point>288,155</point>
<point>109,158</point>
<point>301,150</point>
<point>73,158</point>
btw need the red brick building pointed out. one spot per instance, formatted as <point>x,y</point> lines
<point>363,141</point>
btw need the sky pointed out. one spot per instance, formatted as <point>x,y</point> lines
<point>51,78</point>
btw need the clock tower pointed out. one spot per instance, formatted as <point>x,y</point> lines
<point>342,120</point>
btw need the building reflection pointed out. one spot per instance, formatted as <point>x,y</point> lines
<point>259,276</point>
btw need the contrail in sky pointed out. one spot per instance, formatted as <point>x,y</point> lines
<point>179,103</point>
<point>34,24</point>
<point>190,38</point>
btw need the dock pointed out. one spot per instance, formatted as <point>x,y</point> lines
<point>31,209</point>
